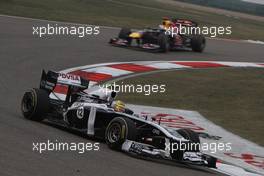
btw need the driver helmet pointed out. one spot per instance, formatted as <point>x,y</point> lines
<point>119,106</point>
<point>166,23</point>
<point>102,93</point>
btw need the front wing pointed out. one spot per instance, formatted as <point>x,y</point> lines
<point>145,150</point>
<point>125,43</point>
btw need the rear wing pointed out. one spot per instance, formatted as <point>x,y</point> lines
<point>50,79</point>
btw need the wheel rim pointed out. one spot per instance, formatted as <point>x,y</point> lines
<point>114,133</point>
<point>27,103</point>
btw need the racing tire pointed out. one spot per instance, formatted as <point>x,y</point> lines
<point>124,34</point>
<point>163,42</point>
<point>211,161</point>
<point>35,104</point>
<point>118,130</point>
<point>198,43</point>
<point>148,37</point>
<point>192,136</point>
<point>189,135</point>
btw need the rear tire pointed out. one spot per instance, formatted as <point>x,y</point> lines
<point>124,34</point>
<point>118,130</point>
<point>198,43</point>
<point>163,42</point>
<point>35,104</point>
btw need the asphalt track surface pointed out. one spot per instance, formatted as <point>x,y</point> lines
<point>22,56</point>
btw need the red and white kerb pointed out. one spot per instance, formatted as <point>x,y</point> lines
<point>108,71</point>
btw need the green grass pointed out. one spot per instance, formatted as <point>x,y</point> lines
<point>231,98</point>
<point>131,13</point>
<point>234,5</point>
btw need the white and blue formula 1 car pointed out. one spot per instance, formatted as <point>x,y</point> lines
<point>96,113</point>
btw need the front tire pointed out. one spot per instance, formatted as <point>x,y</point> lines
<point>194,139</point>
<point>198,43</point>
<point>211,161</point>
<point>163,42</point>
<point>124,34</point>
<point>35,104</point>
<point>190,135</point>
<point>118,130</point>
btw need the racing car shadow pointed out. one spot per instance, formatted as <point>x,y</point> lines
<point>173,163</point>
<point>155,160</point>
<point>155,50</point>
<point>72,131</point>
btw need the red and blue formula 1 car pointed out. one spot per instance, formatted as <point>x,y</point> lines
<point>165,38</point>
